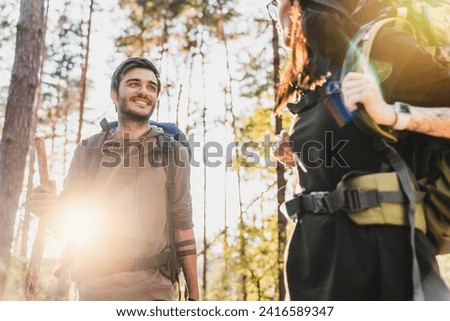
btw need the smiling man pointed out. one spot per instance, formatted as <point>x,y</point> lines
<point>139,223</point>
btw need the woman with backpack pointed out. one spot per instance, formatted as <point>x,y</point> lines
<point>351,240</point>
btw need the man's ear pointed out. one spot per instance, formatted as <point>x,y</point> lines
<point>113,96</point>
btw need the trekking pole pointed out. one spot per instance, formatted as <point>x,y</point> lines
<point>32,275</point>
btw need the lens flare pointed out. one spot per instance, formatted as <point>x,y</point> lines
<point>81,224</point>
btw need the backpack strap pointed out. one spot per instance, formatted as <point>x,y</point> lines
<point>307,100</point>
<point>94,146</point>
<point>369,38</point>
<point>167,148</point>
<point>330,94</point>
<point>408,183</point>
<point>357,58</point>
<point>367,198</point>
<point>182,139</point>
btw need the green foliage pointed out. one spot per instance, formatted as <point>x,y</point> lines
<point>258,128</point>
<point>61,76</point>
<point>258,264</point>
<point>49,287</point>
<point>154,23</point>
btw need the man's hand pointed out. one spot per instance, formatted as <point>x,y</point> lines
<point>42,200</point>
<point>363,88</point>
<point>283,151</point>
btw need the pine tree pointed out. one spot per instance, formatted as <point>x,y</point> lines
<point>18,121</point>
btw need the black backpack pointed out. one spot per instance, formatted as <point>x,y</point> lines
<point>434,185</point>
<point>433,154</point>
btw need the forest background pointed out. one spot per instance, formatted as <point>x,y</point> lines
<point>220,64</point>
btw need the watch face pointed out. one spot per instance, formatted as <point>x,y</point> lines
<point>402,108</point>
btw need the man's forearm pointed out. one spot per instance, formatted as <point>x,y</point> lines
<point>189,265</point>
<point>186,250</point>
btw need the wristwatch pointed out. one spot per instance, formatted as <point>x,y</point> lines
<point>403,113</point>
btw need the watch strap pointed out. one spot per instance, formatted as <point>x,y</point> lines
<point>403,113</point>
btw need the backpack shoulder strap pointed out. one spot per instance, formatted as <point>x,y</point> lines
<point>169,150</point>
<point>307,100</point>
<point>93,146</point>
<point>368,39</point>
<point>166,146</point>
<point>408,185</point>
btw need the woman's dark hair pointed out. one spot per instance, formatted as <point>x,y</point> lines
<point>319,47</point>
<point>131,63</point>
<point>326,40</point>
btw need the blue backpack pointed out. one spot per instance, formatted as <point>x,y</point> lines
<point>169,129</point>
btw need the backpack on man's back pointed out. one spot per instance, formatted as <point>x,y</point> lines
<point>169,140</point>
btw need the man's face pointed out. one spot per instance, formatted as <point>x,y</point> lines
<point>137,95</point>
<point>284,19</point>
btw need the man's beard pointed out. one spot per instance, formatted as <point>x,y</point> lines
<point>129,115</point>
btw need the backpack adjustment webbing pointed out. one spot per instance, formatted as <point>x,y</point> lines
<point>371,199</point>
<point>119,266</point>
<point>151,262</point>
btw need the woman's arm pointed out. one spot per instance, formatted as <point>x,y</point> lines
<point>363,88</point>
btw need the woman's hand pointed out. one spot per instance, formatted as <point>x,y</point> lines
<point>363,88</point>
<point>283,151</point>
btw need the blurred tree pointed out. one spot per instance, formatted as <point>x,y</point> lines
<point>18,121</point>
<point>56,97</point>
<point>258,262</point>
<point>8,23</point>
<point>281,181</point>
<point>25,220</point>
<point>84,69</point>
<point>61,85</point>
<point>255,133</point>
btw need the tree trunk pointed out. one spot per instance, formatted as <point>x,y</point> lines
<point>27,215</point>
<point>18,121</point>
<point>205,241</point>
<point>66,135</point>
<point>84,69</point>
<point>281,182</point>
<point>37,105</point>
<point>230,110</point>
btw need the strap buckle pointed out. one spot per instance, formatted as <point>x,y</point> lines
<point>352,200</point>
<point>357,200</point>
<point>319,202</point>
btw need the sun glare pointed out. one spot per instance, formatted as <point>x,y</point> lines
<point>81,224</point>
